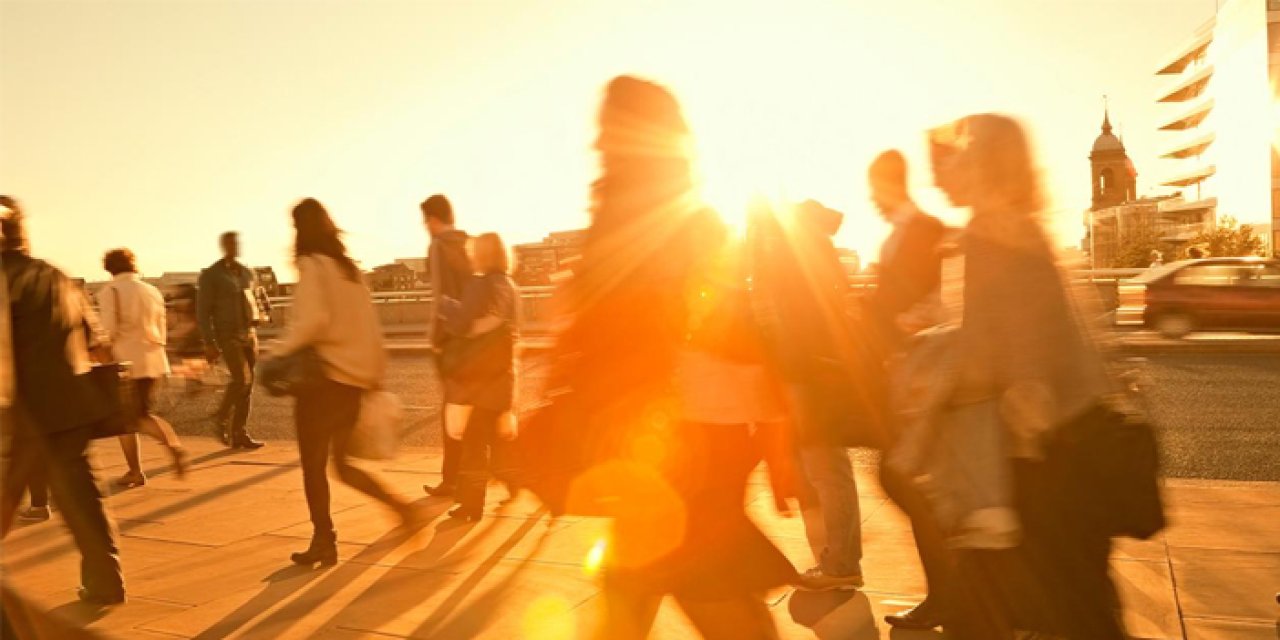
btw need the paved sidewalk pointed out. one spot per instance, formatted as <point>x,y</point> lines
<point>208,558</point>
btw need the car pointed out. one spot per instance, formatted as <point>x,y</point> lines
<point>1207,294</point>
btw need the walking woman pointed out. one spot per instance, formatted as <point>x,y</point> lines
<point>1022,352</point>
<point>133,315</point>
<point>661,388</point>
<point>484,323</point>
<point>333,314</point>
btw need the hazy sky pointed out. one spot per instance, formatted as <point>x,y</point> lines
<point>157,125</point>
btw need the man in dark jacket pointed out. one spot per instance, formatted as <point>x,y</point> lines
<point>227,312</point>
<point>910,273</point>
<point>55,405</point>
<point>450,270</point>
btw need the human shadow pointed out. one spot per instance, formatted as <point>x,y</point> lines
<point>280,585</point>
<point>834,614</point>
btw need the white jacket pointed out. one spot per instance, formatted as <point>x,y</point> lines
<point>133,315</point>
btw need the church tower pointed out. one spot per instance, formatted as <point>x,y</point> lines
<point>1114,178</point>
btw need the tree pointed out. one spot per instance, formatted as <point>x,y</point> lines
<point>1135,248</point>
<point>1230,239</point>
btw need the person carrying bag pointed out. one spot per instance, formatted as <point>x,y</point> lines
<point>331,358</point>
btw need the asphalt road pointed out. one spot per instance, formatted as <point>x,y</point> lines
<point>1218,414</point>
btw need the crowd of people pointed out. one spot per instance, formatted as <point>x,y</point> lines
<point>687,355</point>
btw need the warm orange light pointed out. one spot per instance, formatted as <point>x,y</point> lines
<point>595,557</point>
<point>548,618</point>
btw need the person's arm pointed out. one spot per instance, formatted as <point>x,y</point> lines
<point>205,307</point>
<point>110,311</point>
<point>477,299</point>
<point>309,315</point>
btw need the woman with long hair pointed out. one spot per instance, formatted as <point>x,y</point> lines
<point>333,314</point>
<point>1023,352</point>
<point>484,325</point>
<point>134,317</point>
<point>669,396</point>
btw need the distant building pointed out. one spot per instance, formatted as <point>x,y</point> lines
<point>392,277</point>
<point>1222,122</point>
<point>1118,218</point>
<point>537,263</point>
<point>851,261</point>
<point>267,280</point>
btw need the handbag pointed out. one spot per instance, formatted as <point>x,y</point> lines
<point>117,392</point>
<point>293,374</point>
<point>464,358</point>
<point>377,431</point>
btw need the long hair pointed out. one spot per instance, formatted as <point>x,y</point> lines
<point>318,235</point>
<point>1001,163</point>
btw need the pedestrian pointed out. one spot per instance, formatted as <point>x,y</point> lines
<point>333,314</point>
<point>450,270</point>
<point>811,334</point>
<point>483,330</point>
<point>674,477</point>
<point>57,404</point>
<point>134,317</point>
<point>1024,370</point>
<point>904,301</point>
<point>227,311</point>
<point>1196,253</point>
<point>1157,259</point>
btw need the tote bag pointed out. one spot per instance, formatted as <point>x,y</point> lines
<point>377,431</point>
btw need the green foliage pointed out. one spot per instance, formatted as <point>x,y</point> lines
<point>1230,239</point>
<point>1136,247</point>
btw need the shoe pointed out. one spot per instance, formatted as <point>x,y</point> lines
<point>224,431</point>
<point>441,490</point>
<point>100,599</point>
<point>323,551</point>
<point>179,457</point>
<point>816,579</point>
<point>922,616</point>
<point>246,442</point>
<point>466,515</point>
<point>35,514</point>
<point>131,480</point>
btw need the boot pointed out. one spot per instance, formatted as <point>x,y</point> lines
<point>323,550</point>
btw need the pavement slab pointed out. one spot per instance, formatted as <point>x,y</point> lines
<point>207,557</point>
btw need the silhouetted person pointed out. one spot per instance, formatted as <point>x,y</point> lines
<point>134,318</point>
<point>485,320</point>
<point>332,313</point>
<point>58,405</point>
<point>903,302</point>
<point>1022,354</point>
<point>1196,253</point>
<point>227,312</point>
<point>674,476</point>
<point>450,270</point>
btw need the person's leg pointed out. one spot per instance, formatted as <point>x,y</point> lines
<point>344,411</point>
<point>133,458</point>
<point>312,413</point>
<point>931,544</point>
<point>744,617</point>
<point>38,487</point>
<point>473,474</point>
<point>830,471</point>
<point>21,463</point>
<point>249,359</point>
<point>82,508</point>
<point>626,614</point>
<point>233,358</point>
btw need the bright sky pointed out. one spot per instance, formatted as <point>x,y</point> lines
<point>157,125</point>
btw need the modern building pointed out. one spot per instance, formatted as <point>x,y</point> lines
<point>538,263</point>
<point>1222,117</point>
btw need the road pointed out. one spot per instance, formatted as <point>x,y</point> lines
<point>1218,414</point>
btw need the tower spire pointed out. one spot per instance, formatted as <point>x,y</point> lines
<point>1106,115</point>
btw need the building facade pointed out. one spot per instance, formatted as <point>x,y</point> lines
<point>537,263</point>
<point>1221,121</point>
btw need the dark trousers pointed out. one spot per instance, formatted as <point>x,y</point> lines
<point>931,543</point>
<point>325,418</point>
<point>64,456</point>
<point>240,355</point>
<point>483,456</point>
<point>38,486</point>
<point>1056,581</point>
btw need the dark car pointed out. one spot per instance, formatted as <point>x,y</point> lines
<point>1209,294</point>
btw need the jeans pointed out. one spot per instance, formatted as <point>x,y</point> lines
<point>831,473</point>
<point>325,417</point>
<point>241,356</point>
<point>71,480</point>
<point>479,452</point>
<point>931,542</point>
